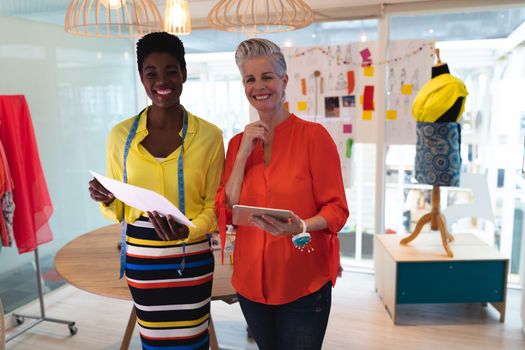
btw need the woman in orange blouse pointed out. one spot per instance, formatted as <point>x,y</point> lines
<point>282,161</point>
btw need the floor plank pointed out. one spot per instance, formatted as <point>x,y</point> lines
<point>358,320</point>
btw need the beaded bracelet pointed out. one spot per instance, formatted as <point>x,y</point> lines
<point>303,239</point>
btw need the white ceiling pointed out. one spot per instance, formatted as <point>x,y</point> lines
<point>330,10</point>
<point>325,10</point>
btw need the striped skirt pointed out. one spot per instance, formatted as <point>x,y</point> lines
<point>172,296</point>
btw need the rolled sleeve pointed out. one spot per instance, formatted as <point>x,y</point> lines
<point>328,187</point>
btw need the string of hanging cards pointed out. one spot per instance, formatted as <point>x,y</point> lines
<point>341,87</point>
<point>366,55</point>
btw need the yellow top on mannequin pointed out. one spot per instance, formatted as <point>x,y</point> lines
<point>437,96</point>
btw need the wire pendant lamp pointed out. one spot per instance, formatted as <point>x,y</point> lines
<point>260,16</point>
<point>177,17</point>
<point>112,18</point>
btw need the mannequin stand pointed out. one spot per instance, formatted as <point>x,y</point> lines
<point>437,222</point>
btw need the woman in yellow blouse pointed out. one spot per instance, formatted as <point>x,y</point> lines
<point>168,266</point>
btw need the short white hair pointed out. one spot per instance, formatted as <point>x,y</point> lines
<point>257,47</point>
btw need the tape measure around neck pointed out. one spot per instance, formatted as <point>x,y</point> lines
<point>180,177</point>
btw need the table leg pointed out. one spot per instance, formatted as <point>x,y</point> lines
<point>501,308</point>
<point>129,330</point>
<point>214,344</point>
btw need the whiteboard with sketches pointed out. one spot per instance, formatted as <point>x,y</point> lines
<point>342,94</point>
<point>404,78</point>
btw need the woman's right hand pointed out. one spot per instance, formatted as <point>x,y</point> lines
<point>253,132</point>
<point>99,193</point>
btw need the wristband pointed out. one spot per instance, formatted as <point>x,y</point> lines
<point>303,239</point>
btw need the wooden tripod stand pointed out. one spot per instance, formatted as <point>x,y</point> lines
<point>437,222</point>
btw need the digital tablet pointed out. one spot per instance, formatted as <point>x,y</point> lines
<point>243,213</point>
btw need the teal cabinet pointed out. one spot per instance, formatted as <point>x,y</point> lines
<point>450,282</point>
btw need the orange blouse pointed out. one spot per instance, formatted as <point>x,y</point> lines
<point>304,175</point>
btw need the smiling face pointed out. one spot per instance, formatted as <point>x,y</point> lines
<point>263,87</point>
<point>162,78</point>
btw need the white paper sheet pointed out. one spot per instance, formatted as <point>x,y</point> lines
<point>142,199</point>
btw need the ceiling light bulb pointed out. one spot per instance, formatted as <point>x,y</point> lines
<point>177,17</point>
<point>362,37</point>
<point>113,4</point>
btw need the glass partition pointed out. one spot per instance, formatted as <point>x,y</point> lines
<point>76,89</point>
<point>492,129</point>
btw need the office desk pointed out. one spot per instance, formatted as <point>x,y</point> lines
<point>91,262</point>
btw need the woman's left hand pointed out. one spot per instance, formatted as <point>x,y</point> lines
<point>167,228</point>
<point>278,227</point>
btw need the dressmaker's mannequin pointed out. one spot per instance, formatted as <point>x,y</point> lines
<point>452,114</point>
<point>439,68</point>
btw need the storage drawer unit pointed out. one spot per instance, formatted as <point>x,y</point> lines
<point>421,273</point>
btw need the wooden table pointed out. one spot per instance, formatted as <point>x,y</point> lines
<point>91,262</point>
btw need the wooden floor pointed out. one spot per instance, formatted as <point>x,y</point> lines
<point>358,321</point>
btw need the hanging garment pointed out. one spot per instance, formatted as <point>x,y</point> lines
<point>33,204</point>
<point>4,237</point>
<point>6,200</point>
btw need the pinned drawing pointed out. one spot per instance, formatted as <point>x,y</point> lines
<point>331,105</point>
<point>341,84</point>
<point>348,101</point>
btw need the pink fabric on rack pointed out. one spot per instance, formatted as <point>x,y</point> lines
<point>6,200</point>
<point>4,237</point>
<point>31,197</point>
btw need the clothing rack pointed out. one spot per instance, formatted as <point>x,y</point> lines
<point>20,318</point>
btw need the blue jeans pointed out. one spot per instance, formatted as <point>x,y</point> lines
<point>299,325</point>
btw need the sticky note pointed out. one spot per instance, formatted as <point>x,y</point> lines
<point>349,144</point>
<point>361,99</point>
<point>368,71</point>
<point>350,77</point>
<point>406,89</point>
<point>302,106</point>
<point>368,98</point>
<point>391,114</point>
<point>367,115</point>
<point>366,57</point>
<point>347,128</point>
<point>365,53</point>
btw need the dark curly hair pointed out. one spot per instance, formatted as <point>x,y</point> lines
<point>160,42</point>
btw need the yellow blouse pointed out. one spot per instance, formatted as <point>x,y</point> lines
<point>203,162</point>
<point>437,96</point>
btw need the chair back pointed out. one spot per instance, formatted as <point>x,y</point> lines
<point>481,206</point>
